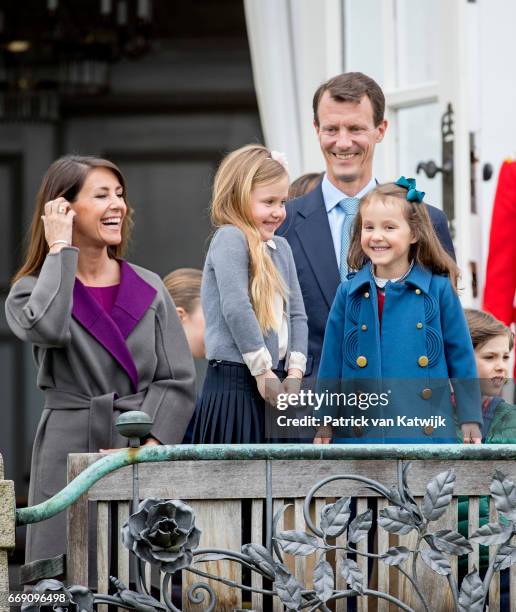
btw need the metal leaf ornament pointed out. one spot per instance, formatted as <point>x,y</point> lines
<point>413,195</point>
<point>352,574</point>
<point>492,533</point>
<point>503,492</point>
<point>298,543</point>
<point>395,555</point>
<point>323,580</point>
<point>359,526</point>
<point>438,495</point>
<point>505,557</point>
<point>260,557</point>
<point>471,596</point>
<point>288,588</point>
<point>396,520</point>
<point>50,587</point>
<point>335,517</point>
<point>136,601</point>
<point>451,542</point>
<point>436,561</point>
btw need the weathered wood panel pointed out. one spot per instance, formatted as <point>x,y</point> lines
<point>295,478</point>
<point>278,504</point>
<point>473,523</point>
<point>103,551</point>
<point>471,476</point>
<point>257,509</point>
<point>77,528</point>
<point>123,553</point>
<point>221,526</point>
<point>186,480</point>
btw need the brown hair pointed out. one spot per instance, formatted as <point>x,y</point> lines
<point>352,87</point>
<point>304,184</point>
<point>65,178</point>
<point>238,174</point>
<point>184,286</point>
<point>484,327</point>
<point>427,251</point>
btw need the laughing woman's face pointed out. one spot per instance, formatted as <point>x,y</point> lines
<point>100,210</point>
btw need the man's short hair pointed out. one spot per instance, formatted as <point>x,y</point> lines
<point>352,87</point>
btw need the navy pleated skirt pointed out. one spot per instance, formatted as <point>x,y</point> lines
<point>230,411</point>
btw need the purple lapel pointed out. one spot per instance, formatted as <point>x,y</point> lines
<point>134,298</point>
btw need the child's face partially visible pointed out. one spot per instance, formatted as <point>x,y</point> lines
<point>493,364</point>
<point>193,325</point>
<point>386,237</point>
<point>268,206</point>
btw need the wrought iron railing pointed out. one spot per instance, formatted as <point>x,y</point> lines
<point>162,533</point>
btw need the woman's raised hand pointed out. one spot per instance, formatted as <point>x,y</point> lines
<point>58,224</point>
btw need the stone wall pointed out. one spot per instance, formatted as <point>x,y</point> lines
<point>7,524</point>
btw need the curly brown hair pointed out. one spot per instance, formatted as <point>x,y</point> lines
<point>427,251</point>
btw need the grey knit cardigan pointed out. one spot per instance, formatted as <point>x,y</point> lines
<point>231,325</point>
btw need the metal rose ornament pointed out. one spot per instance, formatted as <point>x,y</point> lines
<point>162,532</point>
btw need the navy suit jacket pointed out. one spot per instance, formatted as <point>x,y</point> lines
<point>307,230</point>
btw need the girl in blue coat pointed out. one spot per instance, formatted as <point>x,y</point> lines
<point>396,336</point>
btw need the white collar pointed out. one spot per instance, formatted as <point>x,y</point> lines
<point>270,243</point>
<point>381,282</point>
<point>332,196</point>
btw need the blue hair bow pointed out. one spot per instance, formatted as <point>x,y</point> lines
<point>413,195</point>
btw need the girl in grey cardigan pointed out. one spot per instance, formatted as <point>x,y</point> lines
<point>256,331</point>
<point>105,333</point>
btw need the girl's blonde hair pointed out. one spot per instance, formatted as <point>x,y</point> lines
<point>184,286</point>
<point>484,327</point>
<point>427,251</point>
<point>238,174</point>
<point>65,178</point>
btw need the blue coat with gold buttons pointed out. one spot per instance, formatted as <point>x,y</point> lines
<point>422,346</point>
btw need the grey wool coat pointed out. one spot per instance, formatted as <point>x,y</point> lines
<point>92,366</point>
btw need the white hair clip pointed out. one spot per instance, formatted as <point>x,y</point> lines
<point>281,158</point>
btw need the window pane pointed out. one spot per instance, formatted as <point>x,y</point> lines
<point>419,140</point>
<point>363,38</point>
<point>417,22</point>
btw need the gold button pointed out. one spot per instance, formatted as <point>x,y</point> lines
<point>418,291</point>
<point>426,393</point>
<point>419,325</point>
<point>423,361</point>
<point>357,430</point>
<point>361,361</point>
<point>366,294</point>
<point>364,327</point>
<point>428,430</point>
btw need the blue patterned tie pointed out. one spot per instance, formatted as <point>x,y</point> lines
<point>350,208</point>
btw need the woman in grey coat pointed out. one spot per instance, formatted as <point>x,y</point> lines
<point>105,333</point>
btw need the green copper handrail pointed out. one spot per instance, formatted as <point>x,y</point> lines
<point>213,452</point>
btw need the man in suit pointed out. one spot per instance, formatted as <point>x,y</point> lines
<point>349,123</point>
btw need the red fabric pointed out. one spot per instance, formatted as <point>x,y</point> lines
<point>381,300</point>
<point>500,285</point>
